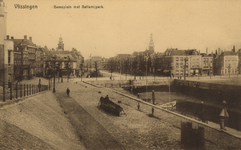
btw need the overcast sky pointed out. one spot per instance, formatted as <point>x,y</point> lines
<point>126,26</point>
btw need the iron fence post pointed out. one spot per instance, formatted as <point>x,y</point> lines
<point>24,90</point>
<point>27,89</point>
<point>30,90</point>
<point>11,91</point>
<point>4,91</point>
<point>16,90</point>
<point>20,90</point>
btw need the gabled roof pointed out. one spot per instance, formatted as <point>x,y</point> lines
<point>228,53</point>
<point>22,43</point>
<point>174,52</point>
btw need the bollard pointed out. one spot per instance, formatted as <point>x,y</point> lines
<point>27,89</point>
<point>138,106</point>
<point>153,97</point>
<point>223,116</point>
<point>138,95</point>
<point>192,138</point>
<point>152,111</point>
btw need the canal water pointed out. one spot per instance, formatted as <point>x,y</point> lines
<point>190,106</point>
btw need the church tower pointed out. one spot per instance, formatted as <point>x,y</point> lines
<point>151,45</point>
<point>61,44</point>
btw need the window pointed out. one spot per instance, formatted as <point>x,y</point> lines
<point>9,57</point>
<point>181,58</point>
<point>177,58</point>
<point>181,72</point>
<point>177,72</point>
<point>177,65</point>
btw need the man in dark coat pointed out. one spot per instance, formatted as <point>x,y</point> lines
<point>67,91</point>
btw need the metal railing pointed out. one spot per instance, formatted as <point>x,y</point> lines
<point>15,91</point>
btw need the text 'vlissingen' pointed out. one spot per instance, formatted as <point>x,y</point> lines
<point>30,7</point>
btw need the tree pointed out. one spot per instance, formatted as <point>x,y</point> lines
<point>111,65</point>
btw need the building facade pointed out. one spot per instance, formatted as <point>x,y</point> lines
<point>226,63</point>
<point>31,63</point>
<point>177,62</point>
<point>207,65</point>
<point>6,49</point>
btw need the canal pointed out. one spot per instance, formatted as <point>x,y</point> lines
<point>190,105</point>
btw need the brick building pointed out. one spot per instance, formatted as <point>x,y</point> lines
<point>31,63</point>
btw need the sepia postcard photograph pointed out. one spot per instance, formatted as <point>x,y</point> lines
<point>120,75</point>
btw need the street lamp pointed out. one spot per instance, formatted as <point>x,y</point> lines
<point>237,71</point>
<point>229,67</point>
<point>185,65</point>
<point>221,72</point>
<point>146,59</point>
<point>54,57</point>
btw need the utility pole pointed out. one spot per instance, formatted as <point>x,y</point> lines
<point>54,73</point>
<point>96,69</point>
<point>146,59</point>
<point>229,67</point>
<point>185,65</point>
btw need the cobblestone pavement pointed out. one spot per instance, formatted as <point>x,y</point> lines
<point>134,129</point>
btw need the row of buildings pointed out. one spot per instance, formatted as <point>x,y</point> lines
<point>177,62</point>
<point>22,59</point>
<point>194,63</point>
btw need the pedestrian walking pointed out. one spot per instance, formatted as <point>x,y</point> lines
<point>67,91</point>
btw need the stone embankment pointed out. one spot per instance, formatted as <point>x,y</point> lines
<point>37,122</point>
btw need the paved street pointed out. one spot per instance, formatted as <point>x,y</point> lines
<point>133,129</point>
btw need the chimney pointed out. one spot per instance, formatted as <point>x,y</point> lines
<point>7,37</point>
<point>233,49</point>
<point>30,39</point>
<point>207,51</point>
<point>12,37</point>
<point>219,51</point>
<point>25,37</point>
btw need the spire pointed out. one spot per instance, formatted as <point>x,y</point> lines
<point>151,46</point>
<point>151,43</point>
<point>61,44</point>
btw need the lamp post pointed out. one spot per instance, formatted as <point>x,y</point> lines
<point>237,71</point>
<point>146,59</point>
<point>229,67</point>
<point>185,65</point>
<point>54,57</point>
<point>221,72</point>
